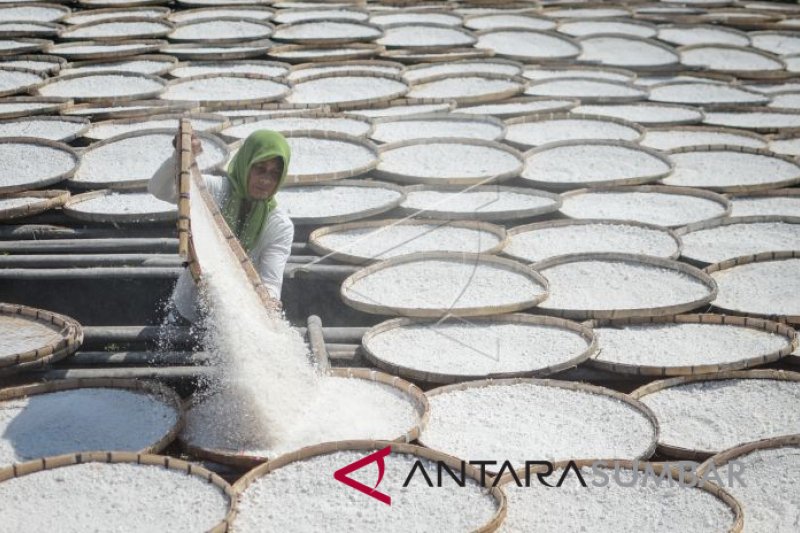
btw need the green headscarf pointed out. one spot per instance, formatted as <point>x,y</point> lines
<point>259,146</point>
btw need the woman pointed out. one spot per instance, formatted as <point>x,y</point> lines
<point>246,197</point>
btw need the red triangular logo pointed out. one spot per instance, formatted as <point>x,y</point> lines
<point>376,457</point>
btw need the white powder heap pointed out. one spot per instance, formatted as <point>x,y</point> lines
<point>11,203</point>
<point>101,86</point>
<point>207,30</point>
<point>644,114</point>
<point>124,203</point>
<point>714,58</point>
<point>661,508</point>
<point>349,126</point>
<point>287,16</point>
<point>321,30</point>
<point>111,497</point>
<point>530,45</point>
<point>538,72</point>
<point>672,345</point>
<point>340,409</point>
<point>721,168</point>
<point>753,119</point>
<point>568,129</point>
<point>765,288</point>
<point>705,93</point>
<point>19,335</point>
<point>663,209</point>
<point>255,67</point>
<point>224,88</point>
<point>54,130</point>
<point>518,422</point>
<point>79,420</point>
<point>733,240</point>
<point>445,284</point>
<point>787,101</point>
<point>32,163</point>
<point>480,200</point>
<point>274,502</point>
<point>137,66</point>
<point>626,52</point>
<point>322,68</point>
<point>501,20</point>
<point>138,29</point>
<point>13,80</point>
<point>599,285</point>
<point>486,66</point>
<point>424,36</point>
<point>590,27</point>
<point>138,158</point>
<point>700,34</point>
<point>589,88</point>
<point>311,156</point>
<point>112,128</point>
<point>422,128</point>
<point>401,110</point>
<point>477,348</point>
<point>40,13</point>
<point>787,206</point>
<point>709,415</point>
<point>345,89</point>
<point>29,64</point>
<point>518,108</point>
<point>780,43</point>
<point>677,138</point>
<point>399,239</point>
<point>333,200</point>
<point>398,17</point>
<point>463,87</point>
<point>542,243</point>
<point>442,159</point>
<point>587,163</point>
<point>221,11</point>
<point>769,497</point>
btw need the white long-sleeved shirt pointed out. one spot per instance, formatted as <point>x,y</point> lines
<point>269,255</point>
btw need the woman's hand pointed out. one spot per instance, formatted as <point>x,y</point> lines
<point>197,145</point>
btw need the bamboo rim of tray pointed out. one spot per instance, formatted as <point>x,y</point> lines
<point>47,181</point>
<point>48,199</point>
<point>348,257</point>
<point>45,29</point>
<point>731,17</point>
<point>439,378</point>
<point>724,457</point>
<point>745,110</point>
<point>317,177</point>
<point>374,307</point>
<point>177,16</point>
<point>161,392</point>
<point>264,106</point>
<point>704,225</point>
<point>310,114</point>
<point>146,46</point>
<point>110,100</point>
<point>472,39</point>
<point>133,109</point>
<point>708,104</point>
<point>242,459</point>
<point>518,86</point>
<point>351,64</point>
<point>442,117</point>
<point>698,369</point>
<point>166,27</point>
<point>524,58</point>
<point>71,338</point>
<point>714,27</point>
<point>33,45</point>
<point>574,386</point>
<point>49,105</point>
<point>319,40</point>
<point>536,15</point>
<point>568,185</point>
<point>497,494</point>
<point>212,103</point>
<point>221,64</point>
<point>566,105</point>
<point>223,52</point>
<point>117,3</point>
<point>536,226</point>
<point>223,122</point>
<point>268,28</point>
<point>658,469</point>
<point>755,258</point>
<point>161,13</point>
<point>447,105</point>
<point>486,60</point>
<point>710,129</point>
<point>772,193</point>
<point>355,8</point>
<point>357,215</point>
<point>652,42</point>
<point>359,102</point>
<point>405,55</point>
<point>85,124</point>
<point>779,72</point>
<point>169,61</point>
<point>692,454</point>
<point>644,92</point>
<point>57,62</point>
<point>451,180</point>
<point>558,116</point>
<point>639,259</point>
<point>72,210</point>
<point>738,189</point>
<point>356,51</point>
<point>65,11</point>
<point>603,20</point>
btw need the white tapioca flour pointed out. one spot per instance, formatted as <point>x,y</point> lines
<point>333,200</point>
<point>441,284</point>
<point>753,119</point>
<point>541,72</point>
<point>607,284</point>
<point>255,67</point>
<point>101,86</point>
<point>222,88</point>
<point>519,422</point>
<point>626,52</point>
<point>203,14</point>
<point>81,420</point>
<point>477,348</point>
<point>31,64</point>
<point>664,209</point>
<point>661,508</point>
<point>463,87</point>
<point>507,109</point>
<point>705,93</point>
<point>322,68</point>
<point>442,159</point>
<point>486,66</point>
<point>207,30</point>
<point>344,89</point>
<point>40,13</point>
<point>32,162</point>
<point>720,168</point>
<point>345,125</point>
<point>768,498</point>
<point>787,206</point>
<point>15,107</point>
<point>19,335</point>
<point>125,203</point>
<point>275,501</point>
<point>401,17</point>
<point>474,200</point>
<point>511,20</point>
<point>764,288</point>
<point>53,130</point>
<point>68,49</point>
<point>780,43</point>
<point>403,130</point>
<point>716,58</point>
<point>14,80</point>
<point>327,29</point>
<point>83,16</point>
<point>133,65</point>
<point>11,203</point>
<point>288,16</point>
<point>585,88</point>
<point>677,138</point>
<point>117,29</point>
<point>589,27</point>
<point>568,129</point>
<point>720,414</point>
<point>423,36</point>
<point>672,345</point>
<point>314,155</point>
<point>733,240</point>
<point>528,44</point>
<point>688,35</point>
<point>543,243</point>
<point>402,110</point>
<point>111,497</point>
<point>644,114</point>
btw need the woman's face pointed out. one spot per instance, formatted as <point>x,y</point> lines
<point>264,177</point>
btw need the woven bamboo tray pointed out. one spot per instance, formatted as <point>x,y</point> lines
<point>25,46</point>
<point>706,369</point>
<point>50,64</point>
<point>727,456</point>
<point>781,125</point>
<point>96,133</point>
<point>374,307</point>
<point>635,28</point>
<point>656,386</point>
<point>353,171</point>
<point>371,32</point>
<point>452,118</point>
<point>83,16</point>
<point>44,201</point>
<point>352,103</point>
<point>266,31</point>
<point>527,19</point>
<point>434,12</point>
<point>516,107</point>
<point>757,74</point>
<point>190,469</point>
<point>57,12</point>
<point>756,138</point>
<point>244,460</point>
<point>217,52</point>
<point>183,69</point>
<point>774,193</point>
<point>467,38</point>
<point>338,11</point>
<point>72,209</point>
<point>364,122</point>
<point>404,55</point>
<point>110,100</point>
<point>469,66</point>
<point>744,40</point>
<point>406,107</point>
<point>212,102</point>
<point>356,215</point>
<point>584,71</point>
<point>73,32</point>
<point>151,388</point>
<point>117,64</point>
<point>429,377</point>
<point>38,29</point>
<point>518,84</point>
<point>535,55</point>
<point>138,108</point>
<point>536,89</point>
<point>692,115</point>
<point>304,70</point>
<point>298,53</point>
<point>258,12</point>
<point>38,183</point>
<point>635,137</point>
<point>71,339</point>
<point>673,64</point>
<point>746,96</point>
<point>81,125</point>
<point>93,50</point>
<point>43,106</point>
<point>371,445</point>
<point>664,310</point>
